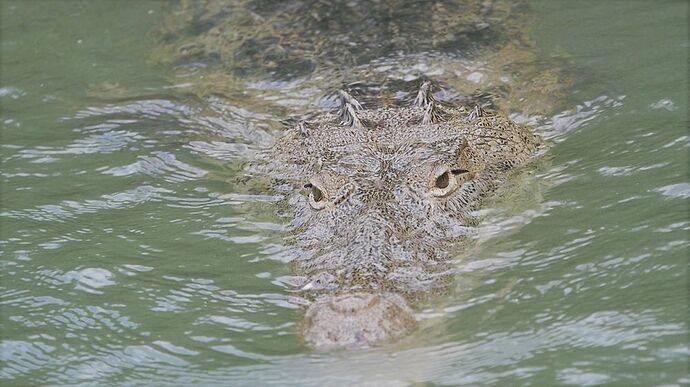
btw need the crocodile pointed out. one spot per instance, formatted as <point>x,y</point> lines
<point>385,189</point>
<point>381,196</point>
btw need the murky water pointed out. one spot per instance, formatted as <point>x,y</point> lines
<point>133,251</point>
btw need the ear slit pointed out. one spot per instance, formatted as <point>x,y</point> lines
<point>458,171</point>
<point>308,185</point>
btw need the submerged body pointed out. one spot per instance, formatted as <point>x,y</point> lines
<point>388,192</point>
<point>480,49</point>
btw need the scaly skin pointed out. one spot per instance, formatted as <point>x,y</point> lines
<point>388,192</point>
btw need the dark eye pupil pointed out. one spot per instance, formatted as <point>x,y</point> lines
<point>443,180</point>
<point>317,194</point>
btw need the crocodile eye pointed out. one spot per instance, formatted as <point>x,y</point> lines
<point>316,198</point>
<point>443,180</point>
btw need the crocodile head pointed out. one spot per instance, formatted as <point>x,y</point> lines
<point>387,195</point>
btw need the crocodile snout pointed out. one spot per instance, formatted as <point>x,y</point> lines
<point>356,320</point>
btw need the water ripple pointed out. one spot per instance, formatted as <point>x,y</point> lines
<point>225,151</point>
<point>676,191</point>
<point>159,163</point>
<point>555,128</point>
<point>154,108</point>
<point>68,209</point>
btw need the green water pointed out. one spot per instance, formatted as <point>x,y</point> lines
<point>131,255</point>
